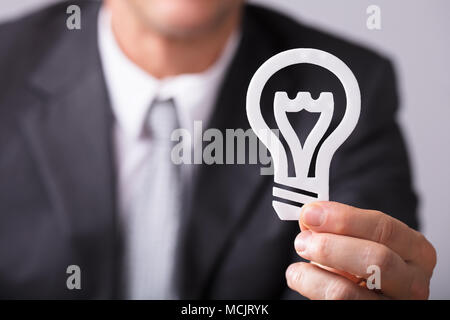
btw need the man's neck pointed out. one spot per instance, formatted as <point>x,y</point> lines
<point>163,56</point>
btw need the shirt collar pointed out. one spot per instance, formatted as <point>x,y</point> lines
<point>132,90</point>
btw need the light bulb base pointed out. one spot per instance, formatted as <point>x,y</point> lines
<point>287,203</point>
<point>285,211</point>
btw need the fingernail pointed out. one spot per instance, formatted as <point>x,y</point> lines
<point>301,242</point>
<point>313,215</point>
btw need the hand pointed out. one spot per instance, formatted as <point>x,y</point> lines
<point>342,242</point>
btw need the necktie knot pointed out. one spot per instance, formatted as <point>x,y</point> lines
<point>162,120</point>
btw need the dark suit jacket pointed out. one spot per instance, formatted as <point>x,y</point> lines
<point>57,176</point>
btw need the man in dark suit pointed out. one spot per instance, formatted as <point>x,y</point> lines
<point>59,197</point>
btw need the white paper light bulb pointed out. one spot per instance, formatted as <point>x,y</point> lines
<point>317,188</point>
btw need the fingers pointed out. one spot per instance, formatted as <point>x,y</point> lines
<point>356,255</point>
<point>337,218</point>
<point>316,283</point>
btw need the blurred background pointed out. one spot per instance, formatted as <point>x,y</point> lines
<point>414,34</point>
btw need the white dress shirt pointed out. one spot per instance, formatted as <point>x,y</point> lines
<point>132,90</point>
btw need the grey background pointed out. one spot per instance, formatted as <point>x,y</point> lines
<point>414,35</point>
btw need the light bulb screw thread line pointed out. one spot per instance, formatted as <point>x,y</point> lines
<point>291,197</point>
<point>290,202</point>
<point>296,190</point>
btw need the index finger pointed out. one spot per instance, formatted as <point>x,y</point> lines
<point>337,218</point>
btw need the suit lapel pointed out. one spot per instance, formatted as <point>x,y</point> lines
<point>68,127</point>
<point>223,194</point>
<point>69,137</point>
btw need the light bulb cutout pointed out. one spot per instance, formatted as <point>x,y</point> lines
<point>301,189</point>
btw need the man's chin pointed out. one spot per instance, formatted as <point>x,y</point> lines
<point>181,31</point>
